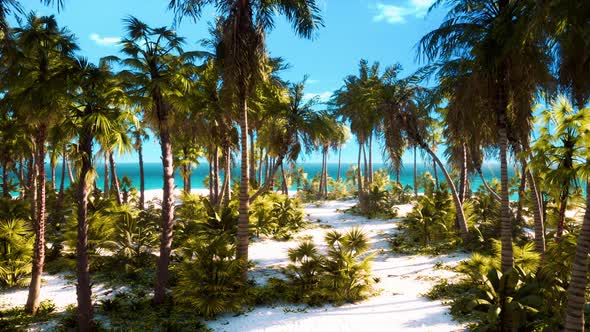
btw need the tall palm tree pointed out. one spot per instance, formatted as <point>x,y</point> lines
<point>511,62</point>
<point>140,134</point>
<point>39,91</point>
<point>96,113</point>
<point>158,75</point>
<point>244,26</point>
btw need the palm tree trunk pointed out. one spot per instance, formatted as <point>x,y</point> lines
<point>434,170</point>
<point>70,174</point>
<point>506,224</point>
<point>211,180</point>
<point>538,215</point>
<point>361,194</point>
<point>115,179</point>
<point>485,183</point>
<point>162,274</point>
<point>367,180</point>
<point>576,299</point>
<point>106,185</point>
<point>84,292</point>
<point>371,158</point>
<point>562,209</point>
<point>285,186</point>
<point>463,177</point>
<point>216,174</point>
<point>521,193</point>
<point>243,235</point>
<point>227,178</point>
<point>32,185</point>
<point>339,162</point>
<point>415,174</point>
<point>260,164</point>
<point>186,179</point>
<point>53,166</point>
<point>326,172</point>
<point>252,159</point>
<point>5,189</point>
<point>39,249</point>
<point>60,196</point>
<point>141,177</point>
<point>458,205</point>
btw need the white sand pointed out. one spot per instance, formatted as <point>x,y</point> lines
<point>399,306</point>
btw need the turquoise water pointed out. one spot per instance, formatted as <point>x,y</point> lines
<point>153,173</point>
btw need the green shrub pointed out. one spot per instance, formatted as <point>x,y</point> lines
<point>342,275</point>
<point>16,252</point>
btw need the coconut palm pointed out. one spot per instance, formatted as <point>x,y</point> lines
<point>39,86</point>
<point>244,25</point>
<point>511,62</point>
<point>158,75</point>
<point>96,114</point>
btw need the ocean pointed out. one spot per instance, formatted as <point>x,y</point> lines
<point>153,173</point>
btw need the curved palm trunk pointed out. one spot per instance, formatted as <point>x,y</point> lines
<point>485,183</point>
<point>562,209</point>
<point>576,298</point>
<point>53,166</point>
<point>216,175</point>
<point>32,185</point>
<point>162,273</point>
<point>435,171</point>
<point>458,205</point>
<point>141,177</point>
<point>538,215</point>
<point>115,179</point>
<point>506,224</point>
<point>285,186</point>
<point>252,157</point>
<point>371,158</point>
<point>39,249</point>
<point>244,199</point>
<point>226,191</point>
<point>84,292</point>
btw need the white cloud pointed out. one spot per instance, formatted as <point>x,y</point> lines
<point>310,81</point>
<point>397,14</point>
<point>104,41</point>
<point>322,96</point>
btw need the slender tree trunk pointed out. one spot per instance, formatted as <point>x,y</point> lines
<point>39,249</point>
<point>462,179</point>
<point>163,274</point>
<point>576,298</point>
<point>32,185</point>
<point>538,215</point>
<point>285,185</point>
<point>106,181</point>
<point>211,199</point>
<point>485,183</point>
<point>5,189</point>
<point>339,163</point>
<point>60,196</point>
<point>84,292</point>
<point>458,204</point>
<point>521,193</point>
<point>252,159</point>
<point>115,179</point>
<point>361,194</point>
<point>186,180</point>
<point>415,173</point>
<point>216,174</point>
<point>434,170</point>
<point>326,172</point>
<point>506,224</point>
<point>243,235</point>
<point>53,166</point>
<point>70,173</point>
<point>260,164</point>
<point>562,209</point>
<point>227,178</point>
<point>371,158</point>
<point>141,178</point>
<point>366,169</point>
<point>321,184</point>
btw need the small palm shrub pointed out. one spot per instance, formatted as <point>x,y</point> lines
<point>16,252</point>
<point>208,278</point>
<point>342,275</point>
<point>278,216</point>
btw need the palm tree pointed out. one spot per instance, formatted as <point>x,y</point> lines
<point>244,25</point>
<point>39,91</point>
<point>158,75</point>
<point>139,134</point>
<point>509,60</point>
<point>96,114</point>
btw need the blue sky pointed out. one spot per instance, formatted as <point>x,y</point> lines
<point>377,30</point>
